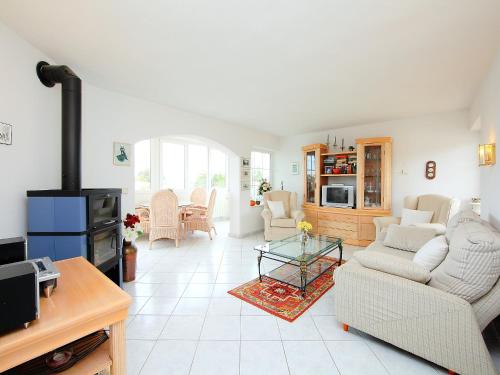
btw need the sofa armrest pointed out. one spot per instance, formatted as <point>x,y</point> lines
<point>428,322</point>
<point>297,215</point>
<point>382,223</point>
<point>267,215</point>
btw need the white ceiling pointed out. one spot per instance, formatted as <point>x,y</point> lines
<point>283,66</point>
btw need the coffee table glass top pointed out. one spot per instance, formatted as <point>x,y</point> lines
<point>291,247</point>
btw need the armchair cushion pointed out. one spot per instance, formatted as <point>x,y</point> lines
<point>393,265</point>
<point>412,217</point>
<point>277,209</point>
<point>283,223</point>
<point>408,238</point>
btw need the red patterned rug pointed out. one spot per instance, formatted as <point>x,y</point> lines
<point>283,300</point>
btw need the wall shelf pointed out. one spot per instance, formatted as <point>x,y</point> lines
<point>339,175</point>
<point>339,153</point>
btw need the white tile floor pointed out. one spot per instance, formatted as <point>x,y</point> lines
<point>182,320</point>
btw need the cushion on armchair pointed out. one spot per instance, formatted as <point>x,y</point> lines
<point>277,209</point>
<point>393,265</point>
<point>412,217</point>
<point>408,238</point>
<point>472,266</point>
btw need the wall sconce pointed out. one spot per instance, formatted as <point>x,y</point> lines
<point>487,154</point>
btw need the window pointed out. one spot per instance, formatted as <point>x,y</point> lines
<point>260,165</point>
<point>172,166</point>
<point>218,169</point>
<point>197,166</point>
<point>142,160</point>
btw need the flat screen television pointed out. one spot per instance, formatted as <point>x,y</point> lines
<point>337,195</point>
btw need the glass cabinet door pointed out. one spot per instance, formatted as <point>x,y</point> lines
<point>373,177</point>
<point>310,176</point>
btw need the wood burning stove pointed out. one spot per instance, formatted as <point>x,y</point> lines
<point>73,221</point>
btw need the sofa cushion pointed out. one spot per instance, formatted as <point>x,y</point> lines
<point>412,217</point>
<point>460,218</point>
<point>408,238</point>
<point>283,223</point>
<point>472,266</point>
<point>432,253</point>
<point>277,209</point>
<point>393,265</point>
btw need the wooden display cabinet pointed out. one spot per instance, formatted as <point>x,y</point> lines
<point>369,169</point>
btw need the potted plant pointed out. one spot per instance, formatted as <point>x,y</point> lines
<point>264,187</point>
<point>304,227</point>
<point>131,232</point>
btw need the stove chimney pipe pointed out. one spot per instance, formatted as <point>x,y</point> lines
<point>49,75</point>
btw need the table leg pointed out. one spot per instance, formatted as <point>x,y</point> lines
<point>340,257</point>
<point>259,259</point>
<point>117,348</point>
<point>303,278</point>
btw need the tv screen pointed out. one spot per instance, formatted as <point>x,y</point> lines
<point>337,195</point>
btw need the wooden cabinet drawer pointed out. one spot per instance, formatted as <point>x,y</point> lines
<point>338,217</point>
<point>337,232</point>
<point>337,225</point>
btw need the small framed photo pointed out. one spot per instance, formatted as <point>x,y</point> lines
<point>328,170</point>
<point>5,133</point>
<point>245,162</point>
<point>294,168</point>
<point>122,154</point>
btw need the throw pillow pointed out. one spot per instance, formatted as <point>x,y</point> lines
<point>412,217</point>
<point>432,253</point>
<point>393,265</point>
<point>407,238</point>
<point>472,266</point>
<point>277,209</point>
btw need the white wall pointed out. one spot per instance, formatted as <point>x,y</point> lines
<point>444,138</point>
<point>110,116</point>
<point>33,160</point>
<point>486,110</point>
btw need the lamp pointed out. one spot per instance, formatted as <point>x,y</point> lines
<point>487,154</point>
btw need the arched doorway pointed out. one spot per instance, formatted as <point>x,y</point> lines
<point>183,163</point>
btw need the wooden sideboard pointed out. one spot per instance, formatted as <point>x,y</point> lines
<point>369,171</point>
<point>84,301</point>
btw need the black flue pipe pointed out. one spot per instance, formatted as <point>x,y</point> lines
<point>71,93</point>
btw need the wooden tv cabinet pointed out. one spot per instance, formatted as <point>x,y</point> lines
<point>368,168</point>
<point>354,226</point>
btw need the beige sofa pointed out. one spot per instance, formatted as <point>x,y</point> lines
<point>277,229</point>
<point>428,322</point>
<point>443,207</point>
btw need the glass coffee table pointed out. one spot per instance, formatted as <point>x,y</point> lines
<point>301,264</point>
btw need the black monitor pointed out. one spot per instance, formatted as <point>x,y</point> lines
<point>12,250</point>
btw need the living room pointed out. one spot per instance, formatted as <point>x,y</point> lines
<point>395,104</point>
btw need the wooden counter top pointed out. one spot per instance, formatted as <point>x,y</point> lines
<point>84,301</point>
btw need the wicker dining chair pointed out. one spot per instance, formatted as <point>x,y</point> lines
<point>201,219</point>
<point>164,217</point>
<point>199,197</point>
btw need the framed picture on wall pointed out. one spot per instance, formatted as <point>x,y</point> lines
<point>294,168</point>
<point>245,162</point>
<point>5,133</point>
<point>122,154</point>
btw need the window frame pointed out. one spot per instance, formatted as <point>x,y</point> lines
<point>254,188</point>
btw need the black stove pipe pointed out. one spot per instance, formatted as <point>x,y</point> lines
<point>71,149</point>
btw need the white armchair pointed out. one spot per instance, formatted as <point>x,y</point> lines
<point>275,229</point>
<point>443,207</point>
